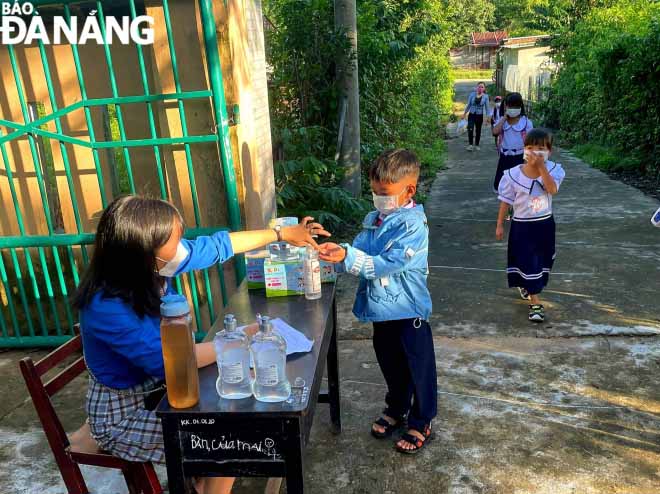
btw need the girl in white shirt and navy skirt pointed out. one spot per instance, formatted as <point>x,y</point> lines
<point>529,189</point>
<point>511,130</point>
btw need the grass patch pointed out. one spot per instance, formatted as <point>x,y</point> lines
<point>485,75</point>
<point>604,157</point>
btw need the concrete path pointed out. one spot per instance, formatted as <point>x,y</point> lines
<point>608,256</point>
<point>570,406</point>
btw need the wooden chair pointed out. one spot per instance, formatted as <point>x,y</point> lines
<point>80,448</point>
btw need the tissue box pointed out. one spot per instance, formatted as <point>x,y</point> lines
<point>254,264</point>
<point>328,272</point>
<point>284,278</point>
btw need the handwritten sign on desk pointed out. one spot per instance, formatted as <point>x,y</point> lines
<point>219,446</point>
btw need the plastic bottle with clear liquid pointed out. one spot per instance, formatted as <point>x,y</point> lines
<point>181,374</point>
<point>233,358</point>
<point>312,270</point>
<point>269,355</point>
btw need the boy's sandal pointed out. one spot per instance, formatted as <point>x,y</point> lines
<point>536,313</point>
<point>389,428</point>
<point>415,441</point>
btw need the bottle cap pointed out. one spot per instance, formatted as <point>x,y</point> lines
<point>230,322</point>
<point>174,305</point>
<point>264,323</point>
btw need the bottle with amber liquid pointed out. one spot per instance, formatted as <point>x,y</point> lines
<point>181,375</point>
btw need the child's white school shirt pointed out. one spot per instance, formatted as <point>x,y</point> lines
<point>513,136</point>
<point>528,197</point>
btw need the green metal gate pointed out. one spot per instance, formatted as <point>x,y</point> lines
<point>39,272</point>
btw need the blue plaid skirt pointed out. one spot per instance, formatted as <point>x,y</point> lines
<point>120,423</point>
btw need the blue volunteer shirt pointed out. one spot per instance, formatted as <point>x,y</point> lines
<point>122,349</point>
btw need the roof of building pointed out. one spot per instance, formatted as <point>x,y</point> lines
<point>524,41</point>
<point>488,38</point>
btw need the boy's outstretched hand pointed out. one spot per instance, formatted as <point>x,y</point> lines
<point>330,252</point>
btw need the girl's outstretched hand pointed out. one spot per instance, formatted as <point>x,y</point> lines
<point>333,253</point>
<point>499,232</point>
<point>301,235</point>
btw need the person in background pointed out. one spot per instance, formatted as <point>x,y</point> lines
<point>511,130</point>
<point>477,112</point>
<point>390,257</point>
<point>529,188</point>
<point>139,247</point>
<point>497,114</point>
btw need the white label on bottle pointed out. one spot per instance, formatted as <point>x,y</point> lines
<point>232,373</point>
<point>267,375</point>
<point>313,276</point>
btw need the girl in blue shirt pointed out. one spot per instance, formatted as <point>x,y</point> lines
<point>139,247</point>
<point>477,111</point>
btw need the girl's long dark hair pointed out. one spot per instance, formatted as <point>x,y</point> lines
<point>514,99</point>
<point>123,263</point>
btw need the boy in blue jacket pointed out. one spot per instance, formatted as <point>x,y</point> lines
<point>390,256</point>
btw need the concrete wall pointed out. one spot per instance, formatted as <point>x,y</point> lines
<point>242,47</point>
<point>470,57</point>
<point>526,70</point>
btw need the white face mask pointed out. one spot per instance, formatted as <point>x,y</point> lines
<point>513,112</point>
<point>498,104</point>
<point>543,154</point>
<point>386,204</point>
<point>170,267</point>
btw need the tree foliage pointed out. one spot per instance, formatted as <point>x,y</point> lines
<point>606,90</point>
<point>529,17</point>
<point>405,92</point>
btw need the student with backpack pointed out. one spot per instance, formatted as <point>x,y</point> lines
<point>511,130</point>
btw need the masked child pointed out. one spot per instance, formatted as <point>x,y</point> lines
<point>389,257</point>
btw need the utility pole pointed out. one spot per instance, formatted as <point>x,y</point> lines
<point>348,143</point>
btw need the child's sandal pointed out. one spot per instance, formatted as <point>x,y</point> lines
<point>415,441</point>
<point>536,313</point>
<point>388,428</point>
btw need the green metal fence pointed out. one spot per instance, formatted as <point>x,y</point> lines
<point>39,272</point>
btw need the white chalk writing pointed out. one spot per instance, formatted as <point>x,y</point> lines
<point>265,447</point>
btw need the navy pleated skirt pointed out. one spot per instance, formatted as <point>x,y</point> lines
<point>504,163</point>
<point>531,254</point>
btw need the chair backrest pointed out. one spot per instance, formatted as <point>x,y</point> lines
<point>42,392</point>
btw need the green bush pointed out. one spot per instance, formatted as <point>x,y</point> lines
<point>405,94</point>
<point>604,157</point>
<point>605,93</point>
<point>481,75</point>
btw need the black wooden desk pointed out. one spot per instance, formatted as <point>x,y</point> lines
<point>248,438</point>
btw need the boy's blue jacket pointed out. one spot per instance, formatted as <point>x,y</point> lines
<point>392,263</point>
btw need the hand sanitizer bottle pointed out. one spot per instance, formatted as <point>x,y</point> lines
<point>312,270</point>
<point>233,358</point>
<point>269,354</point>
